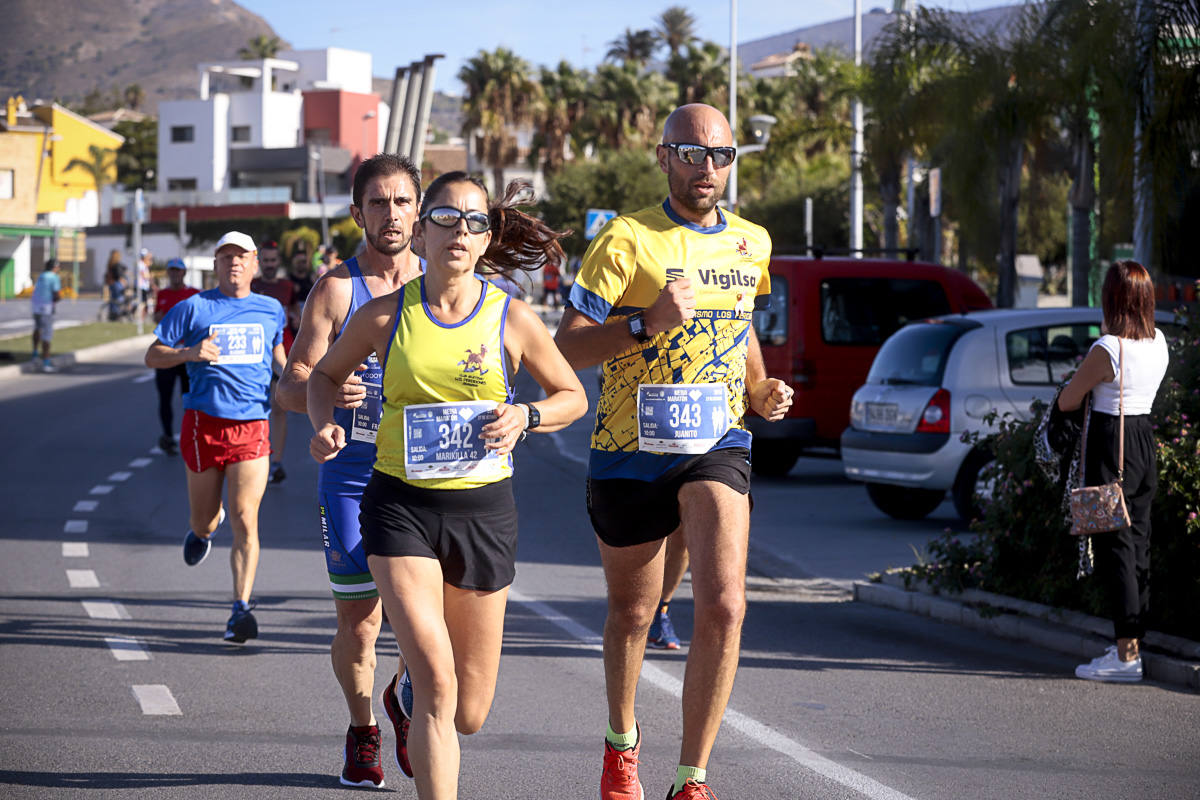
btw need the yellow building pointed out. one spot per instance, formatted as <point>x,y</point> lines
<point>72,193</point>
<point>20,138</point>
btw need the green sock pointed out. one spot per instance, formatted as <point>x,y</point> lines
<point>621,741</point>
<point>682,774</point>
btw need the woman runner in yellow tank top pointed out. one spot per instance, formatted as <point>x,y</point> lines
<point>438,518</point>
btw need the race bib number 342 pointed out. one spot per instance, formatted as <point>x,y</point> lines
<point>681,418</point>
<point>239,343</point>
<point>442,440</point>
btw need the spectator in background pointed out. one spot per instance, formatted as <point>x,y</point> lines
<point>551,278</point>
<point>46,293</point>
<point>271,284</point>
<point>145,280</point>
<point>300,273</point>
<point>115,286</point>
<point>167,298</point>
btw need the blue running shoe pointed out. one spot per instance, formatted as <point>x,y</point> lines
<point>662,632</point>
<point>196,549</point>
<point>241,625</point>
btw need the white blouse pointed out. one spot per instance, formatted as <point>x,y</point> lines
<point>1145,365</point>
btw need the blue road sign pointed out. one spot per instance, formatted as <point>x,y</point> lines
<point>596,219</point>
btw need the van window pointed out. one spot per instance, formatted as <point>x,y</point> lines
<point>1047,356</point>
<point>865,311</point>
<point>916,355</point>
<point>771,322</point>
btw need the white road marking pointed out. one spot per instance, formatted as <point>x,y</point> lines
<point>155,698</point>
<point>126,649</point>
<point>105,609</point>
<point>83,579</point>
<point>75,526</point>
<point>75,550</point>
<point>141,462</point>
<point>117,477</point>
<point>156,451</point>
<point>101,489</point>
<point>86,505</point>
<point>149,376</point>
<point>747,726</point>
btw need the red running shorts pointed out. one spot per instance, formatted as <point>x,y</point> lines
<point>206,441</point>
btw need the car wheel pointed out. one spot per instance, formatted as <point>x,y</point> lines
<point>772,459</point>
<point>971,484</point>
<point>904,502</point>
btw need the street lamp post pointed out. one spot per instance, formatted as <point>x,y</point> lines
<point>370,115</point>
<point>315,155</point>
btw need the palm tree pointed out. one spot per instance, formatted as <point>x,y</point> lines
<point>564,102</point>
<point>632,48</point>
<point>676,29</point>
<point>135,95</point>
<point>101,166</point>
<point>261,46</point>
<point>701,73</point>
<point>500,95</point>
<point>626,106</point>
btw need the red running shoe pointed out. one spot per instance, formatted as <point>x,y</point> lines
<point>400,722</point>
<point>619,780</point>
<point>692,790</point>
<point>363,766</point>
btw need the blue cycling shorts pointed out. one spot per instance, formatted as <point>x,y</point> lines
<point>349,576</point>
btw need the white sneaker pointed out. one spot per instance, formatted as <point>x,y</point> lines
<point>1110,668</point>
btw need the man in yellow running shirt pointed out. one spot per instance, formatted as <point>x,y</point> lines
<point>663,301</point>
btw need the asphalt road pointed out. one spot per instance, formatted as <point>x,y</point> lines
<point>102,627</point>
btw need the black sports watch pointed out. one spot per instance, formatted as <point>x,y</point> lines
<point>535,416</point>
<point>637,327</point>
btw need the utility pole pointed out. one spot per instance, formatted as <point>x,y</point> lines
<point>733,169</point>
<point>856,153</point>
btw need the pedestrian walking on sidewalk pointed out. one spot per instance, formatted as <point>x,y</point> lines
<point>1122,373</point>
<point>47,291</point>
<point>663,300</point>
<point>438,515</point>
<point>229,338</point>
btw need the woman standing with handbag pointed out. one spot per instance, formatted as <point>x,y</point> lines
<point>1122,372</point>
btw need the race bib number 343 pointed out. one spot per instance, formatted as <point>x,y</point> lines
<point>239,343</point>
<point>442,440</point>
<point>681,418</point>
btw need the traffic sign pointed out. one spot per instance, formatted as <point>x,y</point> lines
<point>596,219</point>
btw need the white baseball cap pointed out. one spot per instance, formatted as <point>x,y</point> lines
<point>236,238</point>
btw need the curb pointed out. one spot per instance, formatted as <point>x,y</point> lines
<point>84,356</point>
<point>1069,632</point>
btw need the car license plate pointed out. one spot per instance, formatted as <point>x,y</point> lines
<point>881,413</point>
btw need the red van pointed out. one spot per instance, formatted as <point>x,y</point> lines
<point>823,323</point>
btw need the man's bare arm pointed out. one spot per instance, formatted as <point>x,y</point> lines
<point>323,312</point>
<point>163,356</point>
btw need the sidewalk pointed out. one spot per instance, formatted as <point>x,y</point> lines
<point>1168,659</point>
<point>86,355</point>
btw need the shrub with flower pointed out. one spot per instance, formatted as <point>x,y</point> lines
<point>1022,547</point>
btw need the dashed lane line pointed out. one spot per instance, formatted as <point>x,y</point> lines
<point>155,698</point>
<point>146,378</point>
<point>126,649</point>
<point>101,489</point>
<point>141,462</point>
<point>75,526</point>
<point>105,609</point>
<point>747,726</point>
<point>75,549</point>
<point>82,579</point>
<point>118,477</point>
<point>86,505</point>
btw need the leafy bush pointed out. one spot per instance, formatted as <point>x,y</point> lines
<point>1021,546</point>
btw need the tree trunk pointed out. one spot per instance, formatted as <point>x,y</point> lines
<point>889,192</point>
<point>1010,196</point>
<point>1083,202</point>
<point>1143,178</point>
<point>498,180</point>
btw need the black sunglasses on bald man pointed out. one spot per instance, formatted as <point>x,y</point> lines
<point>694,154</point>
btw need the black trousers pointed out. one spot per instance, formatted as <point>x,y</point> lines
<point>1123,556</point>
<point>164,381</point>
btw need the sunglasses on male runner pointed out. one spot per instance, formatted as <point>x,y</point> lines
<point>447,217</point>
<point>694,154</point>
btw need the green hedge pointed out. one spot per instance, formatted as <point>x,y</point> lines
<point>1021,546</point>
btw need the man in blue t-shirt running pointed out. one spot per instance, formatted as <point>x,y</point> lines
<point>229,338</point>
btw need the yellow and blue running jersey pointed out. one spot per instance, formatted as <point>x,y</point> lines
<point>428,361</point>
<point>623,272</point>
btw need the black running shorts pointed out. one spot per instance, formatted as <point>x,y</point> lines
<point>626,512</point>
<point>471,532</point>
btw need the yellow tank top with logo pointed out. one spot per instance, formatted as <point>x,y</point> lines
<point>436,377</point>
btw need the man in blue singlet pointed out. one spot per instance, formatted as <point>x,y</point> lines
<point>387,192</point>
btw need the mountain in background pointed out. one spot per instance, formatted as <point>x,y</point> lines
<point>65,49</point>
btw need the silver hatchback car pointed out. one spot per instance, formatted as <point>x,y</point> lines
<point>934,380</point>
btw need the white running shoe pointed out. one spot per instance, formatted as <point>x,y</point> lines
<point>1109,668</point>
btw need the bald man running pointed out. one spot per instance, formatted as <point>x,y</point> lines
<point>663,301</point>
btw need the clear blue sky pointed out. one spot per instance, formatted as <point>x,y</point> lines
<point>542,32</point>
